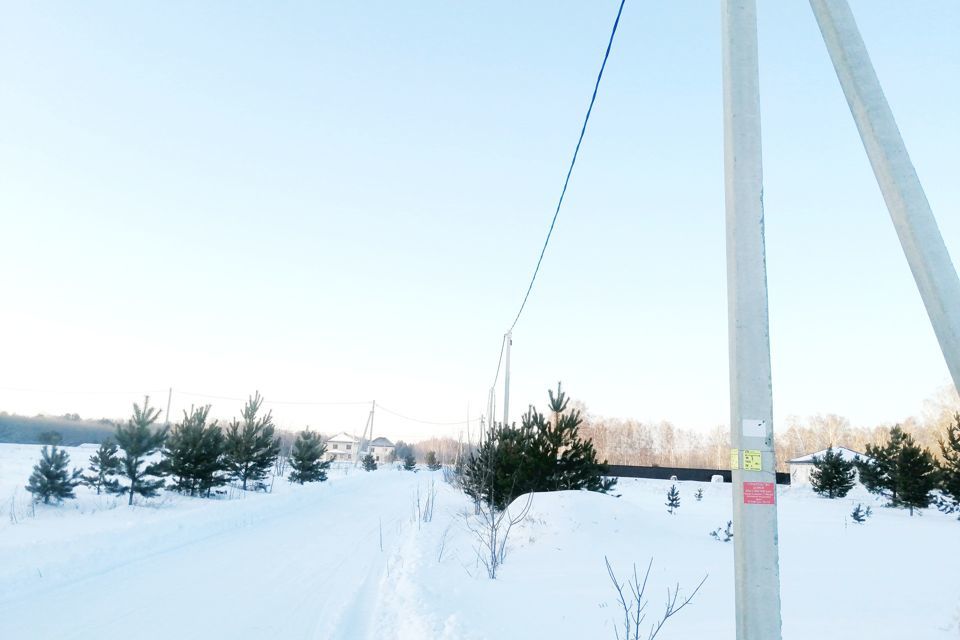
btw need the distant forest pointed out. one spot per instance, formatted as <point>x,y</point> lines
<point>73,430</point>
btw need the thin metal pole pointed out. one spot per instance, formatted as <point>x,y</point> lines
<point>906,201</point>
<point>169,398</point>
<point>506,381</point>
<point>756,559</point>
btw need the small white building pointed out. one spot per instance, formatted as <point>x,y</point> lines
<point>343,448</point>
<point>800,467</point>
<point>382,450</point>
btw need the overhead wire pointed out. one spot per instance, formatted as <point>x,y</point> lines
<point>573,161</point>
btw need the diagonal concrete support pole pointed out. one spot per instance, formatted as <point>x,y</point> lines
<point>912,217</point>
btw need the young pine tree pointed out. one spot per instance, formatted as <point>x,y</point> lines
<point>538,455</point>
<point>878,471</point>
<point>104,465</point>
<point>900,470</point>
<point>432,463</point>
<point>369,464</point>
<point>673,499</point>
<point>250,446</point>
<point>832,476</point>
<point>50,477</point>
<point>307,461</point>
<point>950,468</point>
<point>194,454</point>
<point>859,514</point>
<point>138,441</point>
<point>698,495</point>
<point>409,462</point>
<point>917,476</point>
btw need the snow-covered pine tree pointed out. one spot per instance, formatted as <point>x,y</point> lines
<point>250,446</point>
<point>50,477</point>
<point>307,463</point>
<point>104,465</point>
<point>832,476</point>
<point>673,499</point>
<point>138,441</point>
<point>409,462</point>
<point>193,453</point>
<point>698,495</point>
<point>369,464</point>
<point>917,476</point>
<point>950,467</point>
<point>432,463</point>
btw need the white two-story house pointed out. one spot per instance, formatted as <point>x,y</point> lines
<point>342,448</point>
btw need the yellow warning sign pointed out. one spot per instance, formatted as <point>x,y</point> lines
<point>734,458</point>
<point>752,460</point>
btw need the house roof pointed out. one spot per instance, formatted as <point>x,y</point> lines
<point>342,437</point>
<point>381,442</point>
<point>846,454</point>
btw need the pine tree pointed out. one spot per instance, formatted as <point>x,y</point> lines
<point>673,499</point>
<point>250,446</point>
<point>726,533</point>
<point>859,514</point>
<point>698,495</point>
<point>409,462</point>
<point>878,472</point>
<point>899,470</point>
<point>50,477</point>
<point>138,442</point>
<point>538,455</point>
<point>194,454</point>
<point>950,468</point>
<point>432,463</point>
<point>832,476</point>
<point>917,476</point>
<point>369,464</point>
<point>104,465</point>
<point>307,461</point>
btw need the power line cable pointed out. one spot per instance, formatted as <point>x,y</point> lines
<point>496,376</point>
<point>441,424</point>
<point>573,161</point>
<point>283,402</point>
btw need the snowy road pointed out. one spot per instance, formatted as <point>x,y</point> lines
<point>305,564</point>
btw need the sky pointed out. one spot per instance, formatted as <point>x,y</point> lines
<point>341,202</point>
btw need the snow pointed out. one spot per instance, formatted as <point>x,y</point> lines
<point>848,455</point>
<point>306,562</point>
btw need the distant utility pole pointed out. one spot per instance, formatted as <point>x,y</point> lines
<point>756,557</point>
<point>169,398</point>
<point>368,427</point>
<point>907,203</point>
<point>506,380</point>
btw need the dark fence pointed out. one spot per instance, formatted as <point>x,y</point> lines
<point>682,473</point>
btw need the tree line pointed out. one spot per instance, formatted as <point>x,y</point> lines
<point>662,444</point>
<point>196,457</point>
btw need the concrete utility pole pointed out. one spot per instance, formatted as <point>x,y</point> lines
<point>169,398</point>
<point>506,380</point>
<point>756,558</point>
<point>367,434</point>
<point>912,217</point>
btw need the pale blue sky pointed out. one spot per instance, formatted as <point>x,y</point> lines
<point>344,201</point>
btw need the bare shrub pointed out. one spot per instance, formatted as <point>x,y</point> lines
<point>633,603</point>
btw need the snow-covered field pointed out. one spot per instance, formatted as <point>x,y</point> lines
<point>348,559</point>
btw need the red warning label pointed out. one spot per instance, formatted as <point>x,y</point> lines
<point>759,493</point>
